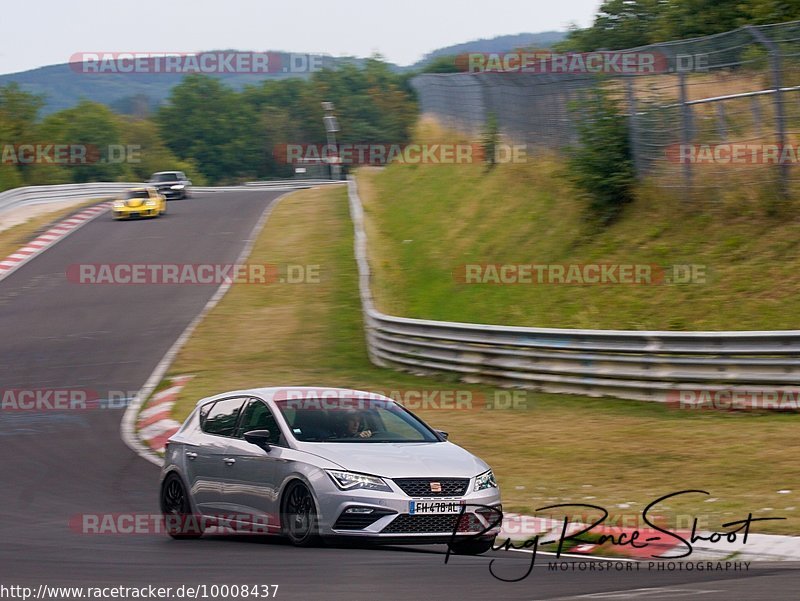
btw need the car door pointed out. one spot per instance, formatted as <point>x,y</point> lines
<point>205,459</point>
<point>253,475</point>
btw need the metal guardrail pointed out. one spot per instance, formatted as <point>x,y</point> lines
<point>642,365</point>
<point>33,195</point>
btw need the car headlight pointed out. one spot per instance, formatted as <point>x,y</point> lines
<point>353,481</point>
<point>150,203</point>
<point>119,204</point>
<point>177,187</point>
<point>484,481</point>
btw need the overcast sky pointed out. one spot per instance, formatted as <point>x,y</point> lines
<point>35,33</point>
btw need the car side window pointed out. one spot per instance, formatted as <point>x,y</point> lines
<point>222,417</point>
<point>204,412</point>
<point>257,416</point>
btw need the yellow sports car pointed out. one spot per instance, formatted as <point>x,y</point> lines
<point>140,202</point>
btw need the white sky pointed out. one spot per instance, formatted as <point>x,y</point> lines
<point>35,33</point>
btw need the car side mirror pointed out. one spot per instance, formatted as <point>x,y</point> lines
<point>260,438</point>
<point>442,433</point>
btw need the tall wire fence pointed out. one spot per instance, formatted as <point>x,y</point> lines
<point>707,111</point>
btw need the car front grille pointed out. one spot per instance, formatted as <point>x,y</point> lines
<point>433,524</point>
<point>421,487</point>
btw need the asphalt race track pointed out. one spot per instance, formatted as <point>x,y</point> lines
<point>57,465</point>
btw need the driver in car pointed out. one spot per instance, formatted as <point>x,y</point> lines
<point>353,427</point>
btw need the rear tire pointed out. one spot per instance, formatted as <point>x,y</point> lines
<point>299,520</point>
<point>177,510</point>
<point>472,546</point>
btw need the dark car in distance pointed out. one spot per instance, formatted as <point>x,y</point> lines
<point>172,184</point>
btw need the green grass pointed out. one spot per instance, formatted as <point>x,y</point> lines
<point>426,221</point>
<point>558,449</point>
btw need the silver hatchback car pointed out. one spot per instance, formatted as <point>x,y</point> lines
<point>324,463</point>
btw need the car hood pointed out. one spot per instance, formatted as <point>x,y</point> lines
<point>400,460</point>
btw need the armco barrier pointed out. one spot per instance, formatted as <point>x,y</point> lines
<point>626,364</point>
<point>32,195</point>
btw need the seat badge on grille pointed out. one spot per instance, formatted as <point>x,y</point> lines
<point>436,487</point>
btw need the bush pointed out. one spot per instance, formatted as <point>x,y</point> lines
<point>9,177</point>
<point>602,163</point>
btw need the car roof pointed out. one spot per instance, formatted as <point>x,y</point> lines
<point>160,172</point>
<point>298,392</point>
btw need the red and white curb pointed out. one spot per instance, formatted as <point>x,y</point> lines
<point>52,236</point>
<point>154,424</point>
<point>759,547</point>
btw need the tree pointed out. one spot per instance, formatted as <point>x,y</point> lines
<point>204,122</point>
<point>618,24</point>
<point>621,24</point>
<point>19,111</point>
<point>96,128</point>
<point>150,154</point>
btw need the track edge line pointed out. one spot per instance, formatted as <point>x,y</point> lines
<point>128,423</point>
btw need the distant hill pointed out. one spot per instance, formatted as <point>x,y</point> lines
<point>65,85</point>
<point>502,43</point>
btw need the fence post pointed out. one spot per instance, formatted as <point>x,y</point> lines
<point>780,118</point>
<point>686,129</point>
<point>756,110</point>
<point>722,126</point>
<point>486,109</point>
<point>633,128</point>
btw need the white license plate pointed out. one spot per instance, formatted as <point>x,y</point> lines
<point>429,507</point>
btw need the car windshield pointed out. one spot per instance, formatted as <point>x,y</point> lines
<point>165,177</point>
<point>352,420</point>
<point>137,194</point>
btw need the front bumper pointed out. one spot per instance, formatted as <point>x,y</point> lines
<point>136,213</point>
<point>169,193</point>
<point>393,521</point>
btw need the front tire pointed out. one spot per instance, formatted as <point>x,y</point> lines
<point>299,520</point>
<point>472,546</point>
<point>177,510</point>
